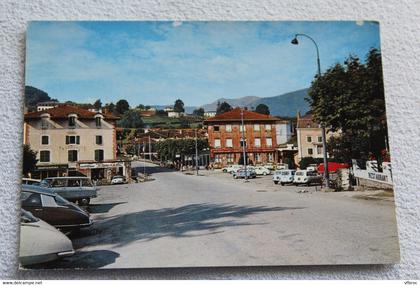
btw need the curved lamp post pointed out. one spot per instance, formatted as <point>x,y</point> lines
<point>324,136</point>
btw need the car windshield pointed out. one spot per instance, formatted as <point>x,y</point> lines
<point>299,173</point>
<point>285,173</point>
<point>27,217</point>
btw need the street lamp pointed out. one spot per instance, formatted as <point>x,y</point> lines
<point>243,144</point>
<point>324,136</point>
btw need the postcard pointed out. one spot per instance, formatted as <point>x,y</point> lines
<point>153,144</point>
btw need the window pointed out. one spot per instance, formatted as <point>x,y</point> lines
<point>257,157</point>
<point>320,139</point>
<point>309,139</point>
<point>98,122</point>
<point>270,157</point>
<point>217,158</point>
<point>72,121</point>
<point>44,156</point>
<point>230,157</point>
<point>217,143</point>
<point>229,143</point>
<point>99,155</point>
<point>86,183</point>
<point>269,141</point>
<point>268,127</point>
<point>44,123</point>
<point>216,128</point>
<point>58,183</point>
<point>256,128</point>
<point>73,183</point>
<point>257,142</point>
<point>48,201</point>
<point>319,150</point>
<point>72,155</point>
<point>242,128</point>
<point>34,200</point>
<point>45,140</point>
<point>98,139</point>
<point>310,151</point>
<point>228,128</point>
<point>243,142</point>
<point>72,139</point>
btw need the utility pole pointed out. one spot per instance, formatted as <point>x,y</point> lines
<point>150,150</point>
<point>243,144</point>
<point>196,153</point>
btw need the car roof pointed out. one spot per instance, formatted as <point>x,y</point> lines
<point>37,189</point>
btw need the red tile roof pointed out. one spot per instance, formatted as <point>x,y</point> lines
<point>307,121</point>
<point>235,115</point>
<point>62,111</point>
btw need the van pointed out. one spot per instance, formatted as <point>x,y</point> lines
<point>307,177</point>
<point>75,189</point>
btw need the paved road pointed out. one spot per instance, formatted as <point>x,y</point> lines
<point>212,220</point>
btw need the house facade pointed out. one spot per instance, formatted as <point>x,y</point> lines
<point>72,139</point>
<point>309,138</point>
<point>226,143</point>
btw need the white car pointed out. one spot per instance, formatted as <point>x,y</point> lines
<point>41,242</point>
<point>232,168</point>
<point>287,176</point>
<point>261,170</point>
<point>118,179</point>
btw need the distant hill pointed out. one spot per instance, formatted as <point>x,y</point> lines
<point>237,102</point>
<point>34,96</point>
<point>285,105</point>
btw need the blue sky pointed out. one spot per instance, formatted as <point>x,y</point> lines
<point>154,63</point>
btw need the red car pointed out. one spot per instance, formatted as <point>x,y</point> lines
<point>333,166</point>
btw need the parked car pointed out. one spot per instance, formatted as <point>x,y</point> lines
<point>231,168</point>
<point>41,242</point>
<point>241,173</point>
<point>261,170</point>
<point>307,177</point>
<point>118,179</point>
<point>270,166</point>
<point>30,181</point>
<point>277,177</point>
<point>75,189</point>
<point>287,176</point>
<point>52,208</point>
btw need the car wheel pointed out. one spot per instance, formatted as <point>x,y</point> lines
<point>224,170</point>
<point>264,173</point>
<point>83,201</point>
<point>282,184</point>
<point>276,182</point>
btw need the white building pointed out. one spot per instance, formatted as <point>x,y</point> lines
<point>284,131</point>
<point>209,114</point>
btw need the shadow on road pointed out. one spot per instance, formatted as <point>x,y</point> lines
<point>102,208</point>
<point>81,259</point>
<point>186,221</point>
<point>150,169</point>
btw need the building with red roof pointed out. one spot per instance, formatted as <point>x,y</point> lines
<point>69,138</point>
<point>261,135</point>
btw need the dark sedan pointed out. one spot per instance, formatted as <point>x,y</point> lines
<point>52,208</point>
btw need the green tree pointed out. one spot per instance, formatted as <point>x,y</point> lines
<point>34,96</point>
<point>350,97</point>
<point>168,149</point>
<point>262,109</point>
<point>29,160</point>
<point>198,112</point>
<point>98,104</point>
<point>131,119</point>
<point>141,107</point>
<point>179,106</point>
<point>223,107</point>
<point>122,106</point>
